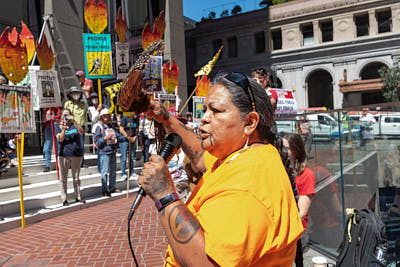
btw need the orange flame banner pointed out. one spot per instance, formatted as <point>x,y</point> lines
<point>148,36</point>
<point>202,86</point>
<point>45,55</point>
<point>170,77</point>
<point>120,26</point>
<point>96,15</point>
<point>13,58</point>
<point>28,40</point>
<point>159,24</point>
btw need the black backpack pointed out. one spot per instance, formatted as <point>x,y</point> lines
<point>364,243</point>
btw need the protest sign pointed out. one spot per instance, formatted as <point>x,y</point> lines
<point>97,51</point>
<point>198,102</point>
<point>169,102</point>
<point>152,80</point>
<point>16,111</point>
<point>286,102</point>
<point>48,90</point>
<point>122,59</point>
<point>30,80</point>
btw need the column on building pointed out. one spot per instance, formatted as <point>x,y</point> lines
<point>317,32</point>
<point>343,28</point>
<point>396,18</point>
<point>373,24</point>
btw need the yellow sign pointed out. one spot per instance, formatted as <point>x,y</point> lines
<point>99,64</point>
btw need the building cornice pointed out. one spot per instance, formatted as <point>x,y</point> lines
<point>301,8</point>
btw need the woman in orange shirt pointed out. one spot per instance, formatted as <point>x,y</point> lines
<point>242,212</point>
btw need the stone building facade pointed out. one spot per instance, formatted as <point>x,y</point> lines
<point>327,51</point>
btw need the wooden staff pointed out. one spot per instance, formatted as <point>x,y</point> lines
<point>20,154</point>
<point>129,168</point>
<point>187,102</point>
<point>99,91</point>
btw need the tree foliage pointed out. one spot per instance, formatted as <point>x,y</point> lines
<point>224,13</point>
<point>265,3</point>
<point>236,10</point>
<point>391,82</point>
<point>212,15</point>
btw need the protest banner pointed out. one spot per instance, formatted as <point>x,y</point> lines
<point>169,102</point>
<point>16,111</point>
<point>198,102</point>
<point>30,80</point>
<point>152,80</point>
<point>122,59</point>
<point>97,51</point>
<point>286,102</point>
<point>48,90</point>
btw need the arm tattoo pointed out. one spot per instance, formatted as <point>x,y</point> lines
<point>182,224</point>
<point>163,112</point>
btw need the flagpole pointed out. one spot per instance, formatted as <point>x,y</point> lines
<point>20,153</point>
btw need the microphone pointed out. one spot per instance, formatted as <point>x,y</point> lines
<point>169,147</point>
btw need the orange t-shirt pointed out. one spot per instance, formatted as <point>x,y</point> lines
<point>247,210</point>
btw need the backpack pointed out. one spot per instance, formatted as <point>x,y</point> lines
<point>363,240</point>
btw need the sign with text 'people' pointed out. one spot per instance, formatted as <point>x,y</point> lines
<point>97,51</point>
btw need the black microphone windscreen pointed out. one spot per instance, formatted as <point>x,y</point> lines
<point>170,146</point>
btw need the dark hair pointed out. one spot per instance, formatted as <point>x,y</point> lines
<point>296,146</point>
<point>260,71</point>
<point>263,106</point>
<point>264,109</point>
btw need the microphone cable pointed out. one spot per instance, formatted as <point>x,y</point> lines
<point>168,149</point>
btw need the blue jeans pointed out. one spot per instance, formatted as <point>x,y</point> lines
<point>108,165</point>
<point>82,139</point>
<point>124,148</point>
<point>48,144</point>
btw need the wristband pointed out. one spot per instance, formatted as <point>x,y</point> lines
<point>165,201</point>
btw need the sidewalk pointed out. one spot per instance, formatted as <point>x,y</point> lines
<point>93,236</point>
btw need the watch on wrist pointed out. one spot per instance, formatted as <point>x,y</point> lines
<point>165,201</point>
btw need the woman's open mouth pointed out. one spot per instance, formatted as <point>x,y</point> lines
<point>204,134</point>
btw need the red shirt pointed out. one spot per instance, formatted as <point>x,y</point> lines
<point>57,113</point>
<point>305,183</point>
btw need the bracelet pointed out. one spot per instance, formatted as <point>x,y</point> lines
<point>165,201</point>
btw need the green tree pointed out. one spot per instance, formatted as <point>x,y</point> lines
<point>265,3</point>
<point>391,82</point>
<point>224,13</point>
<point>236,10</point>
<point>212,15</point>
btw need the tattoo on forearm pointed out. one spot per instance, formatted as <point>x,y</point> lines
<point>164,112</point>
<point>182,224</point>
<point>189,151</point>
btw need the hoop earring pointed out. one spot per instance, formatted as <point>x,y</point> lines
<point>247,143</point>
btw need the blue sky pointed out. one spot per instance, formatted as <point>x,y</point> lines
<point>195,9</point>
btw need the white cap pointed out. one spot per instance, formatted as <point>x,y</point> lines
<point>104,111</point>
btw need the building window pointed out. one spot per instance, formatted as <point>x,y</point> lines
<point>326,31</point>
<point>259,39</point>
<point>308,34</point>
<point>362,25</point>
<point>232,47</point>
<point>277,39</point>
<point>384,19</point>
<point>216,45</point>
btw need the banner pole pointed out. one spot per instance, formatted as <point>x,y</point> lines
<point>20,153</point>
<point>99,91</point>
<point>55,148</point>
<point>187,102</point>
<point>129,168</point>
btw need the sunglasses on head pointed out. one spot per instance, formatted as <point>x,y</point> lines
<point>241,80</point>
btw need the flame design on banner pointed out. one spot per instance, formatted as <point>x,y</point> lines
<point>13,58</point>
<point>170,77</point>
<point>45,54</point>
<point>120,26</point>
<point>148,36</point>
<point>96,15</point>
<point>159,24</point>
<point>202,86</point>
<point>26,38</point>
<point>205,70</point>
